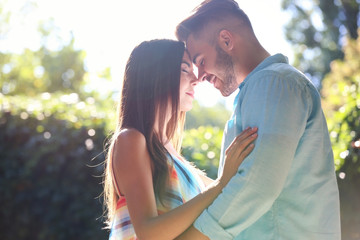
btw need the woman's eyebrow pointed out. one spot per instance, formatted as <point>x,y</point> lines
<point>188,64</point>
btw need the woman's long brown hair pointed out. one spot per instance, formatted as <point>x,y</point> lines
<point>150,89</point>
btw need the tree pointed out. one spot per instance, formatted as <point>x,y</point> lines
<point>54,65</point>
<point>44,70</point>
<point>317,29</point>
<point>341,90</point>
<point>4,21</point>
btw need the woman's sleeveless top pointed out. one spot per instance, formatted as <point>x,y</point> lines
<point>185,183</point>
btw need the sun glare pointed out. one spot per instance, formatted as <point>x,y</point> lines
<point>108,30</point>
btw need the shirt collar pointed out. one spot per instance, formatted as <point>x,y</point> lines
<point>277,58</point>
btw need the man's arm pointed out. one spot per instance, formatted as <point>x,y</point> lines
<point>280,109</point>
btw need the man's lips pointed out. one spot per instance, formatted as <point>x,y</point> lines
<point>211,78</point>
<point>217,86</point>
<point>213,81</point>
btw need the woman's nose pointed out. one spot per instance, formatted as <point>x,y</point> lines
<point>194,80</point>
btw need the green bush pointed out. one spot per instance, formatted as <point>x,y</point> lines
<point>51,153</point>
<point>202,146</point>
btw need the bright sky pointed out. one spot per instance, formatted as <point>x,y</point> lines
<point>108,30</point>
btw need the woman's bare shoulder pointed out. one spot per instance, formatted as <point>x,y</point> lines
<point>129,142</point>
<point>131,160</point>
<point>130,136</point>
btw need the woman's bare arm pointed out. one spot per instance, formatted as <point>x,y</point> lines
<point>206,180</point>
<point>132,168</point>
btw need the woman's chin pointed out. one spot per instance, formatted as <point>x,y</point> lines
<point>187,108</point>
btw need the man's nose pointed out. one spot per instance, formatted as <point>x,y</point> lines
<point>201,75</point>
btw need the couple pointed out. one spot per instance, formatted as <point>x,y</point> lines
<point>285,189</point>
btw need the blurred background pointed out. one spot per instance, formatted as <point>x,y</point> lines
<point>61,66</point>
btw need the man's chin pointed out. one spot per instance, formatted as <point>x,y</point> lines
<point>225,92</point>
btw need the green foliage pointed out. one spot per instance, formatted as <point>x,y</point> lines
<point>68,107</point>
<point>44,70</point>
<point>316,30</point>
<point>51,153</point>
<point>56,66</point>
<point>215,116</point>
<point>202,139</point>
<point>202,146</point>
<point>64,69</point>
<point>341,103</point>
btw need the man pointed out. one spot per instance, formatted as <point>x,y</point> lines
<point>286,188</point>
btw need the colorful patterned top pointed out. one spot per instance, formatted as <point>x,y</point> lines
<point>185,184</point>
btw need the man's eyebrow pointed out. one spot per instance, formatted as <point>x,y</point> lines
<point>194,59</point>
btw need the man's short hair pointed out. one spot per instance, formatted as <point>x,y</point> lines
<point>209,11</point>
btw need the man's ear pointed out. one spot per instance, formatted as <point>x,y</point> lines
<point>226,40</point>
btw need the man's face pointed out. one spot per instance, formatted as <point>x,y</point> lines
<point>214,65</point>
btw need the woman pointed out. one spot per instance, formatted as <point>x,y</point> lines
<point>151,191</point>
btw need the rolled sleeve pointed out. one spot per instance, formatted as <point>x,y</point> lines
<point>279,109</point>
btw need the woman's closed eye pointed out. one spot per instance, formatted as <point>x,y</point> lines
<point>185,67</point>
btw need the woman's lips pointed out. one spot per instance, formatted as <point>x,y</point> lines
<point>191,94</point>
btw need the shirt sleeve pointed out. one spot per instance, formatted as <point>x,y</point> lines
<point>279,108</point>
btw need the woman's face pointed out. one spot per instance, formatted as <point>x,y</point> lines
<point>188,81</point>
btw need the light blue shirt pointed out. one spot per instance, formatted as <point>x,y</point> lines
<point>286,188</point>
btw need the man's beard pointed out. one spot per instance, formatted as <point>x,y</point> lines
<point>224,62</point>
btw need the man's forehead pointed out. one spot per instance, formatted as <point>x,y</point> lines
<point>191,46</point>
<point>190,42</point>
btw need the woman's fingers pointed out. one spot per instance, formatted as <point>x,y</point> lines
<point>241,145</point>
<point>247,151</point>
<point>236,153</point>
<point>242,140</point>
<point>247,132</point>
